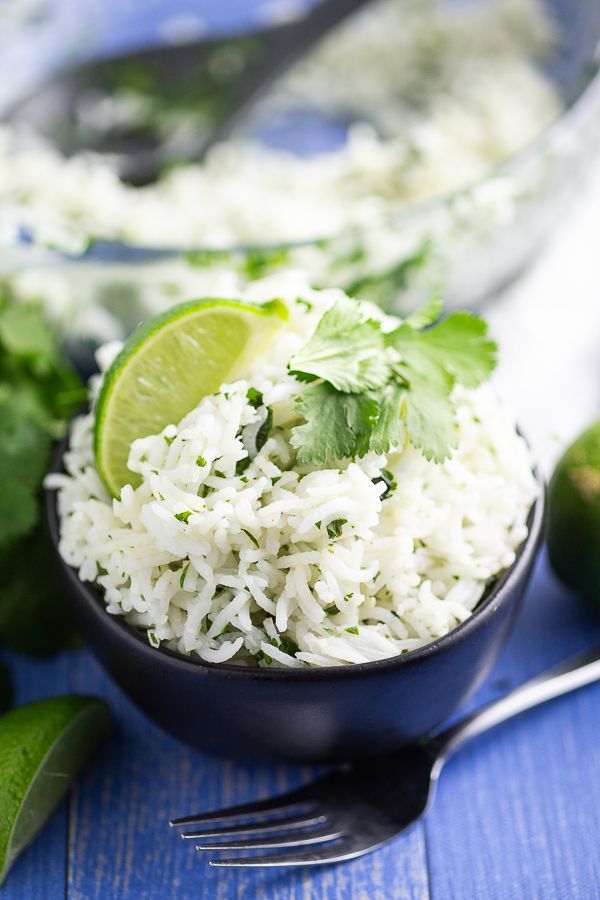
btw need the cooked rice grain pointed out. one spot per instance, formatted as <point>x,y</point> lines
<point>251,575</point>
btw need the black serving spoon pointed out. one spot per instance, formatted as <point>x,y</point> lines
<point>210,83</point>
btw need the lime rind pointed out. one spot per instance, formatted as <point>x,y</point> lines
<point>165,368</point>
<point>43,746</point>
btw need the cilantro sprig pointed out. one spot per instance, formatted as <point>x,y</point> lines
<point>38,392</point>
<point>367,389</point>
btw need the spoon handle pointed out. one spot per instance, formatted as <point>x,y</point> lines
<point>567,676</point>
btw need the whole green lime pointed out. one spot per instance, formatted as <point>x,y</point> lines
<point>574,516</point>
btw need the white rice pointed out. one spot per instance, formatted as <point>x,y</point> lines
<point>448,94</point>
<point>251,572</point>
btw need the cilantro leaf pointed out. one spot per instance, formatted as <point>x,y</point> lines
<point>430,422</point>
<point>426,314</point>
<point>432,361</point>
<point>18,509</point>
<point>344,350</point>
<point>361,414</point>
<point>338,424</point>
<point>24,446</point>
<point>327,432</point>
<point>334,529</point>
<point>34,616</point>
<point>366,401</point>
<point>389,430</point>
<point>455,349</point>
<point>420,363</point>
<point>462,344</point>
<point>25,335</point>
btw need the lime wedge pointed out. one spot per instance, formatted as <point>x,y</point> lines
<point>42,748</point>
<point>167,366</point>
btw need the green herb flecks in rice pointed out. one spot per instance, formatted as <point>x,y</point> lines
<point>260,556</point>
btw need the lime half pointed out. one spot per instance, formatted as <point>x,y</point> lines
<point>42,748</point>
<point>167,366</point>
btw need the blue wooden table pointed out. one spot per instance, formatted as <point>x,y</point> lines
<point>517,813</point>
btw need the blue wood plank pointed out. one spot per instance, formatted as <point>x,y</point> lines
<point>121,845</point>
<point>518,811</point>
<point>41,872</point>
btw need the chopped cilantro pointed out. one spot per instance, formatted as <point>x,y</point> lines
<point>241,465</point>
<point>160,495</point>
<point>183,516</point>
<point>352,630</point>
<point>318,524</point>
<point>200,461</point>
<point>262,435</point>
<point>328,630</point>
<point>220,475</point>
<point>244,479</point>
<point>275,480</point>
<point>334,529</point>
<point>170,440</point>
<point>153,639</point>
<point>387,479</point>
<point>101,570</point>
<point>288,647</point>
<point>183,574</point>
<point>251,536</point>
<point>255,398</point>
<point>332,611</point>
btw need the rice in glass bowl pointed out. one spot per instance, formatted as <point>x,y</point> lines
<point>457,160</point>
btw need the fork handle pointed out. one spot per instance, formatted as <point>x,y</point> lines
<point>567,676</point>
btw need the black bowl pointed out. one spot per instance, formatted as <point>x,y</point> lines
<point>303,715</point>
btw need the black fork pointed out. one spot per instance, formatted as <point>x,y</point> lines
<point>361,807</point>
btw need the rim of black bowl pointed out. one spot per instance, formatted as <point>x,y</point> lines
<point>525,556</point>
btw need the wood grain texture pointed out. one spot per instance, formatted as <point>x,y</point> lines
<point>518,811</point>
<point>121,846</point>
<point>517,815</point>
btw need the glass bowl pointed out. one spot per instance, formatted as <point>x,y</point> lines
<point>468,245</point>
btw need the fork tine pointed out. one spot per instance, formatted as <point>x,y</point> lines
<point>346,849</point>
<point>297,839</point>
<point>286,803</point>
<point>259,827</point>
